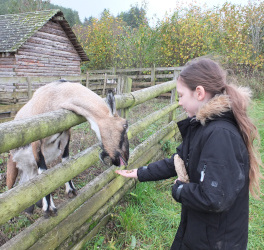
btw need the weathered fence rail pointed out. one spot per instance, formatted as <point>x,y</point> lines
<point>79,219</point>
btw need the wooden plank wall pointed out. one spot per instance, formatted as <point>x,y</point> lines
<point>7,65</point>
<point>49,52</point>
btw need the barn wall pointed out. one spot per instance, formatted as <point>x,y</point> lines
<point>7,64</point>
<point>49,52</point>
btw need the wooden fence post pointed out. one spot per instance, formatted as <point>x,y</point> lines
<point>153,75</point>
<point>29,88</point>
<point>174,97</point>
<point>87,79</point>
<point>119,85</point>
<point>105,80</point>
<point>124,86</point>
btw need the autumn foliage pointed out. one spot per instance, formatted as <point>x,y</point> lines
<point>233,33</point>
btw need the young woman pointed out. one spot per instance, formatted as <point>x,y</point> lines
<point>219,157</point>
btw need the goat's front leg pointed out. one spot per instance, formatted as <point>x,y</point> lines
<point>47,202</point>
<point>69,186</point>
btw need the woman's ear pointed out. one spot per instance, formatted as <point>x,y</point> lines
<point>200,93</point>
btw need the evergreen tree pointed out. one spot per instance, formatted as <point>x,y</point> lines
<point>134,17</point>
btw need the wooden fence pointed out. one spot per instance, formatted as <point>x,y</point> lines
<point>16,91</point>
<point>144,77</point>
<point>80,218</point>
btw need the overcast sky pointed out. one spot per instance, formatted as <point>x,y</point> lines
<point>87,8</point>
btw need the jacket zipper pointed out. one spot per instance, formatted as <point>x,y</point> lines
<point>203,173</point>
<point>187,161</point>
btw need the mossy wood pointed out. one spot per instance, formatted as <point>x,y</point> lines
<point>91,226</point>
<point>91,234</point>
<point>52,239</point>
<point>20,197</point>
<point>18,133</point>
<point>32,233</point>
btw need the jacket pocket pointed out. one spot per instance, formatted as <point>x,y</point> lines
<point>221,183</point>
<point>214,238</point>
<point>212,176</point>
<point>199,227</point>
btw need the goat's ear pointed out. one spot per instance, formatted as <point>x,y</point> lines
<point>110,100</point>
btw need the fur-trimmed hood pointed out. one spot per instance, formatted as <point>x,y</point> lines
<point>220,104</point>
<point>216,106</point>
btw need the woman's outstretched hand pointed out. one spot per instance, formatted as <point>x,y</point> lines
<point>132,173</point>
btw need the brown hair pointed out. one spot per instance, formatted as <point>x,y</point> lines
<point>210,75</point>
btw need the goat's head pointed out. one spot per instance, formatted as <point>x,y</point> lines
<point>115,145</point>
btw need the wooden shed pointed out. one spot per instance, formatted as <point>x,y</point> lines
<point>37,44</point>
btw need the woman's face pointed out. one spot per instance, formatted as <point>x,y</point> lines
<point>188,99</point>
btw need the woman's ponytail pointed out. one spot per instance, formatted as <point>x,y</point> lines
<point>240,99</point>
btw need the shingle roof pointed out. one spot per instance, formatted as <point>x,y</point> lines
<point>16,29</point>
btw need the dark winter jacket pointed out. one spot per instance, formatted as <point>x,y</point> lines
<point>215,204</point>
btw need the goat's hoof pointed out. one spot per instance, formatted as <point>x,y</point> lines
<point>50,213</point>
<point>30,209</point>
<point>46,214</point>
<point>54,212</point>
<point>72,193</point>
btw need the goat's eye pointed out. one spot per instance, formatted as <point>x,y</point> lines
<point>125,126</point>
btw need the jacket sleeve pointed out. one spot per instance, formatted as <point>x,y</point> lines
<point>158,170</point>
<point>223,168</point>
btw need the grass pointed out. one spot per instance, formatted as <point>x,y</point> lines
<point>256,208</point>
<point>148,217</point>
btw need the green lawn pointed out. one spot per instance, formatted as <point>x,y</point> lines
<point>256,208</point>
<point>148,217</point>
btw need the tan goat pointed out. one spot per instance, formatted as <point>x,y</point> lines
<point>28,161</point>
